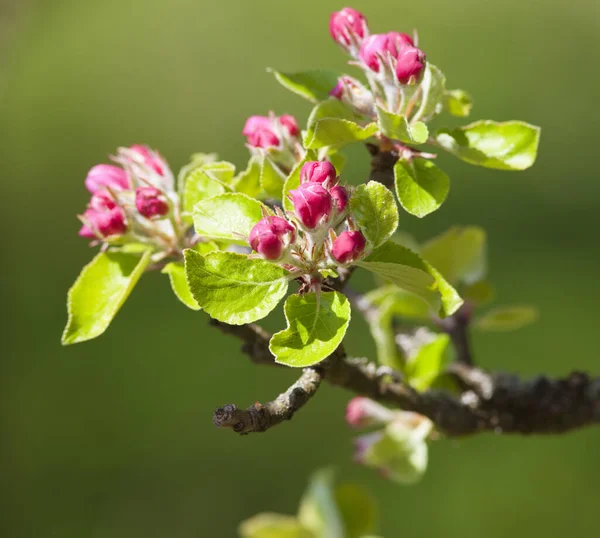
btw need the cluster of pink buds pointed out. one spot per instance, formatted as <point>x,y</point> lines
<point>318,234</point>
<point>391,62</point>
<point>277,135</point>
<point>133,202</point>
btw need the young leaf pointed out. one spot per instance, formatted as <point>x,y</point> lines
<point>99,292</point>
<point>318,509</point>
<point>433,88</point>
<point>358,510</point>
<point>430,361</point>
<point>508,318</point>
<point>313,85</point>
<point>407,270</point>
<point>234,288</point>
<point>421,186</point>
<point>337,132</point>
<point>248,181</point>
<point>270,525</point>
<point>384,336</point>
<point>458,103</point>
<point>510,145</point>
<point>396,127</point>
<point>374,209</point>
<point>197,161</point>
<point>228,217</point>
<point>316,327</point>
<point>272,178</point>
<point>181,289</point>
<point>197,186</point>
<point>459,254</point>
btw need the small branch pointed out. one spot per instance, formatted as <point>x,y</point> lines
<point>382,165</point>
<point>457,327</point>
<point>259,418</point>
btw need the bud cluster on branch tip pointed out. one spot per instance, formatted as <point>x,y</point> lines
<point>270,131</point>
<point>317,234</point>
<point>348,28</point>
<point>393,54</point>
<point>127,199</point>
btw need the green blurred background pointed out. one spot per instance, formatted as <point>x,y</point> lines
<point>113,438</point>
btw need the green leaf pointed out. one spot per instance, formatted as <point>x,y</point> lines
<point>420,185</point>
<point>272,178</point>
<point>430,362</point>
<point>510,145</point>
<point>358,510</point>
<point>384,335</point>
<point>318,510</point>
<point>197,161</point>
<point>316,327</point>
<point>374,209</point>
<point>396,127</point>
<point>293,180</point>
<point>433,88</point>
<point>99,292</point>
<point>313,85</point>
<point>270,525</point>
<point>228,217</point>
<point>458,103</point>
<point>234,288</point>
<point>478,293</point>
<point>459,254</point>
<point>401,303</point>
<point>331,123</point>
<point>181,289</point>
<point>248,181</point>
<point>401,452</point>
<point>198,185</point>
<point>508,318</point>
<point>406,269</point>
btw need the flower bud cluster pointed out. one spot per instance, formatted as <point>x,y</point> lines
<point>276,135</point>
<point>392,63</point>
<point>403,435</point>
<point>319,234</point>
<point>135,202</point>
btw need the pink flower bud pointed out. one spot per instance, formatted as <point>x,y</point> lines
<point>255,123</point>
<point>151,202</point>
<point>339,195</point>
<point>363,444</point>
<point>101,201</point>
<point>348,246</point>
<point>271,236</point>
<point>106,175</point>
<point>362,412</point>
<point>353,94</point>
<point>263,138</point>
<point>409,64</point>
<point>318,172</point>
<point>290,124</point>
<point>312,204</point>
<point>380,47</point>
<point>104,223</point>
<point>150,158</point>
<point>347,27</point>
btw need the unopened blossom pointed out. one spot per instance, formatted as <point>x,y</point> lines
<point>348,246</point>
<point>312,204</point>
<point>102,176</point>
<point>340,197</point>
<point>348,27</point>
<point>271,236</point>
<point>318,172</point>
<point>151,202</point>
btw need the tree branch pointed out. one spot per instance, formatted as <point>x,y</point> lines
<point>499,403</point>
<point>259,418</point>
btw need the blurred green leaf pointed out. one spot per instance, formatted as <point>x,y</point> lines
<point>318,510</point>
<point>228,217</point>
<point>270,525</point>
<point>433,87</point>
<point>374,209</point>
<point>420,185</point>
<point>396,127</point>
<point>429,362</point>
<point>271,178</point>
<point>510,145</point>
<point>234,288</point>
<point>179,284</point>
<point>406,269</point>
<point>358,510</point>
<point>99,292</point>
<point>313,85</point>
<point>508,318</point>
<point>458,103</point>
<point>479,293</point>
<point>459,254</point>
<point>316,326</point>
<point>248,181</point>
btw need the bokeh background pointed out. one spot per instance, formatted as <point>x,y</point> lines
<point>113,438</point>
